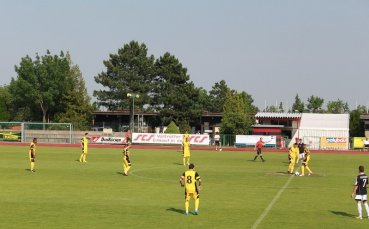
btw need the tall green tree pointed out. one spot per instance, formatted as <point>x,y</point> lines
<point>40,85</point>
<point>174,95</point>
<point>5,104</point>
<point>356,124</point>
<point>280,107</point>
<point>314,104</point>
<point>235,119</point>
<point>130,70</point>
<point>77,102</point>
<point>337,107</point>
<point>298,105</point>
<point>217,96</point>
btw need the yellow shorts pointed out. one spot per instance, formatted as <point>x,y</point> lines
<point>194,195</point>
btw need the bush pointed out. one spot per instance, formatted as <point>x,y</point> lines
<point>172,128</point>
<point>183,127</point>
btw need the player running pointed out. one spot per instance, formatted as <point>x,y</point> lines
<point>32,154</point>
<point>359,192</point>
<point>259,144</point>
<point>126,160</point>
<point>192,182</point>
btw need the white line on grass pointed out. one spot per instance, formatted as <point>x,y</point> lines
<point>276,197</point>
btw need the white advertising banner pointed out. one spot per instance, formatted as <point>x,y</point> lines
<point>108,140</point>
<point>252,139</point>
<point>152,138</point>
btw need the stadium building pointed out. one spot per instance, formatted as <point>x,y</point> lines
<point>318,131</point>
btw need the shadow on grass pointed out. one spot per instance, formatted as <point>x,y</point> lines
<point>177,163</point>
<point>176,210</point>
<point>345,214</point>
<point>120,173</point>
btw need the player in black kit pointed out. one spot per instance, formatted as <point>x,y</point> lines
<point>360,192</point>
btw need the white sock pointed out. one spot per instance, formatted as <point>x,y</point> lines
<point>359,209</point>
<point>366,208</point>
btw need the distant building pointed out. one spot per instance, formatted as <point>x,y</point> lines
<point>147,122</point>
<point>318,131</point>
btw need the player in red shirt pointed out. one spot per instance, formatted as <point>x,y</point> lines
<point>258,147</point>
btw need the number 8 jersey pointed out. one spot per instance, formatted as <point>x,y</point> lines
<point>361,183</point>
<point>190,178</point>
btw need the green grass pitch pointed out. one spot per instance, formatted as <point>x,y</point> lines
<point>64,193</point>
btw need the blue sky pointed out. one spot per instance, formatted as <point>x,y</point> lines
<point>272,49</point>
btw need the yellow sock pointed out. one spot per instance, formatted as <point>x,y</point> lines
<point>187,204</point>
<point>197,202</point>
<point>184,161</point>
<point>84,157</point>
<point>188,160</point>
<point>81,157</point>
<point>307,167</point>
<point>32,165</point>
<point>302,170</point>
<point>127,169</point>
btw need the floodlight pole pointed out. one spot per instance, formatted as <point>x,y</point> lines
<point>132,115</point>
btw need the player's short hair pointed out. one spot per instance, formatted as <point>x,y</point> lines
<point>361,168</point>
<point>34,140</point>
<point>86,133</point>
<point>191,166</point>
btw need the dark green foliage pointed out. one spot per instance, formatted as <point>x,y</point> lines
<point>298,105</point>
<point>184,127</point>
<point>130,70</point>
<point>356,124</point>
<point>235,118</point>
<point>315,104</point>
<point>50,88</point>
<point>5,104</point>
<point>337,107</point>
<point>40,86</point>
<point>217,96</point>
<point>172,128</point>
<point>77,102</point>
<point>174,96</point>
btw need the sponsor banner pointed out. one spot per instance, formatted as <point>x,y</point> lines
<point>333,143</point>
<point>108,140</point>
<point>247,140</point>
<point>176,139</point>
<point>359,142</point>
<point>10,136</point>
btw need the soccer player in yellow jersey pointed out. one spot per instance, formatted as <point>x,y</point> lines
<point>186,151</point>
<point>305,162</point>
<point>84,146</point>
<point>184,137</point>
<point>32,154</point>
<point>126,160</point>
<point>293,154</point>
<point>192,182</point>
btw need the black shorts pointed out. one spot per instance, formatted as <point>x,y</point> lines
<point>217,143</point>
<point>258,151</point>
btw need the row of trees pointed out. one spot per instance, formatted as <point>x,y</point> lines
<point>51,88</point>
<point>314,105</point>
